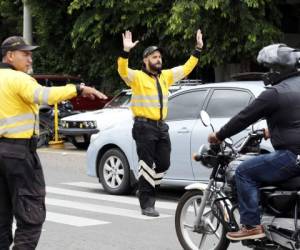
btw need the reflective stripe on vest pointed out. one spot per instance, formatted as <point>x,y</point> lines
<point>18,118</point>
<point>178,73</point>
<point>44,92</point>
<point>9,125</point>
<point>148,101</point>
<point>17,129</point>
<point>129,78</point>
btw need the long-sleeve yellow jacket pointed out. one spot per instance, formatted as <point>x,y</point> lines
<point>20,97</point>
<point>145,97</point>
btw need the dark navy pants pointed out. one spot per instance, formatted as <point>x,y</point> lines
<point>153,149</point>
<point>22,195</point>
<point>251,174</point>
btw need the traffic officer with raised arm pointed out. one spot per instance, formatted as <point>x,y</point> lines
<point>149,104</point>
<point>22,185</point>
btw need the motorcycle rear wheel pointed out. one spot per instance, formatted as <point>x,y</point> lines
<point>212,237</point>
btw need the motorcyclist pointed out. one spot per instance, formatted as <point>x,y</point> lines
<point>280,106</point>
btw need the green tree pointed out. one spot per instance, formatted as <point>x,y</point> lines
<point>10,21</point>
<point>84,36</point>
<point>234,30</point>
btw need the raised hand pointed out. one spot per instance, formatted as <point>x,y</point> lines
<point>199,41</point>
<point>127,41</point>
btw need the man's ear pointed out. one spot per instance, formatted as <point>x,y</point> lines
<point>145,60</point>
<point>9,56</point>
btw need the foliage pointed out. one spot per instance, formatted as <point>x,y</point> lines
<point>84,36</point>
<point>10,18</point>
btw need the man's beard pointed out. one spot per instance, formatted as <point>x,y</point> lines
<point>155,67</point>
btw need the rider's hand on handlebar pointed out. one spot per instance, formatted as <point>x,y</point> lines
<point>213,139</point>
<point>266,134</point>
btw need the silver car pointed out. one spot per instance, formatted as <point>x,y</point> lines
<point>112,156</point>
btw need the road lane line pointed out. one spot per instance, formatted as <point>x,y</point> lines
<point>107,197</point>
<point>73,220</point>
<point>136,214</point>
<point>84,184</point>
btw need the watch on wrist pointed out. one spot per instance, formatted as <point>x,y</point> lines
<point>79,88</point>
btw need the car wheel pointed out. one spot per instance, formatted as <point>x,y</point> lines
<point>81,145</point>
<point>114,172</point>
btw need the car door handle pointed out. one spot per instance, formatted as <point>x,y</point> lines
<point>183,130</point>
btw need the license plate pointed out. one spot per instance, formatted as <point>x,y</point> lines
<point>79,138</point>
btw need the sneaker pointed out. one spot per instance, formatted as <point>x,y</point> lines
<point>256,232</point>
<point>150,211</point>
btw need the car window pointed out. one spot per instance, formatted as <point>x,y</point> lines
<point>227,102</point>
<point>120,100</point>
<point>186,105</point>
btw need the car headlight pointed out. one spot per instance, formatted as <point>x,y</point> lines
<point>79,124</point>
<point>64,124</point>
<point>89,124</point>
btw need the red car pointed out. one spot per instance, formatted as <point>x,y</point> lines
<point>79,102</point>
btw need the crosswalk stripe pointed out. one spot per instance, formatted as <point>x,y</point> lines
<point>73,220</point>
<point>84,184</point>
<point>101,209</point>
<point>106,197</point>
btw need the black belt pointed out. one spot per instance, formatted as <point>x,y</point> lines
<point>154,122</point>
<point>31,142</point>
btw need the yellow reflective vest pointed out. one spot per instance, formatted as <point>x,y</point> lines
<point>145,97</point>
<point>20,96</point>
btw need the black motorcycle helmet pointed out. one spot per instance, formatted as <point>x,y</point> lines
<point>279,56</point>
<point>282,60</point>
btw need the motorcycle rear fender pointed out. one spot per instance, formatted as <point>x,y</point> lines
<point>198,186</point>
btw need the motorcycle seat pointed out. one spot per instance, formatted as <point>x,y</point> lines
<point>292,184</point>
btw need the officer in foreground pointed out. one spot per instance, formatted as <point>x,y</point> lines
<point>149,104</point>
<point>22,185</point>
<point>280,106</point>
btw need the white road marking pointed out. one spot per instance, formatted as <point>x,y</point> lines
<point>61,152</point>
<point>136,214</point>
<point>107,197</point>
<point>73,220</point>
<point>84,184</point>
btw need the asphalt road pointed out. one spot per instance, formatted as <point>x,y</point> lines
<point>81,216</point>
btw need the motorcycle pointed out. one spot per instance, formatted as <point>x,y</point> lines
<point>207,211</point>
<point>46,120</point>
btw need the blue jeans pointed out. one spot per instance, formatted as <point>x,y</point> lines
<point>251,174</point>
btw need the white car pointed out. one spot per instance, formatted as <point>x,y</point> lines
<point>112,156</point>
<point>78,128</point>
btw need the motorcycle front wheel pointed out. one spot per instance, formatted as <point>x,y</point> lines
<point>210,236</point>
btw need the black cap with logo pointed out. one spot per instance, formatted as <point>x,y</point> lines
<point>13,43</point>
<point>148,51</point>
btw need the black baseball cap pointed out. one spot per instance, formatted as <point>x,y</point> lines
<point>13,43</point>
<point>148,51</point>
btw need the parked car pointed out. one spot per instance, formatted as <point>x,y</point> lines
<point>79,102</point>
<point>112,156</point>
<point>78,128</point>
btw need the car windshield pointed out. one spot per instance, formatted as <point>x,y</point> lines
<point>120,100</point>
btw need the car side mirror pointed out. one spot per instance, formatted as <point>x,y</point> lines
<point>205,119</point>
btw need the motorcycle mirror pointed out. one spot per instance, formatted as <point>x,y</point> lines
<point>228,141</point>
<point>204,116</point>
